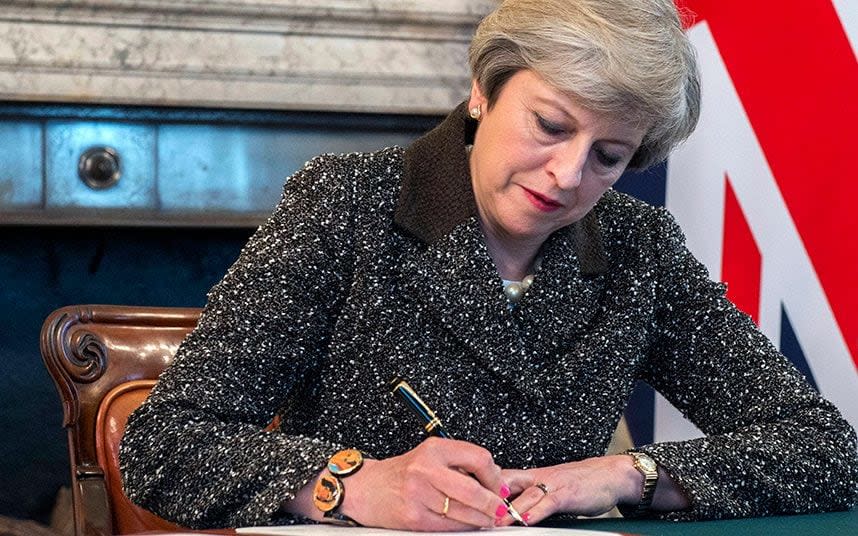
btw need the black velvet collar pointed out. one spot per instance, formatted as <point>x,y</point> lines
<point>437,195</point>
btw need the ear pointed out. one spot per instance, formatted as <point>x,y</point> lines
<point>477,98</point>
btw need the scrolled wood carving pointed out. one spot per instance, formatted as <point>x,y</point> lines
<point>87,357</point>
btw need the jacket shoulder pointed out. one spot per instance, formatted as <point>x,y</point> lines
<point>363,169</point>
<point>628,224</point>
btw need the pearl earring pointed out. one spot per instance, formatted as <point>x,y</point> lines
<point>476,112</point>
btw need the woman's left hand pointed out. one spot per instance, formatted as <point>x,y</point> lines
<point>588,487</point>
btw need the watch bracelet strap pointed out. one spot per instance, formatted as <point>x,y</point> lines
<point>642,507</point>
<point>647,493</point>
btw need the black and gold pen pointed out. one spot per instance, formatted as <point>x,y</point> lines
<point>433,425</point>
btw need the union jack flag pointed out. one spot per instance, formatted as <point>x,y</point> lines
<point>766,189</point>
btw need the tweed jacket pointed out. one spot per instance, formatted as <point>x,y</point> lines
<point>374,266</point>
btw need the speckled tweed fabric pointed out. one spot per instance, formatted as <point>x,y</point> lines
<point>373,266</point>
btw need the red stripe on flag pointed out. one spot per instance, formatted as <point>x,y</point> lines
<point>741,263</point>
<point>797,77</point>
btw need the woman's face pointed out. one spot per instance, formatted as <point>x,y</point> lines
<point>540,161</point>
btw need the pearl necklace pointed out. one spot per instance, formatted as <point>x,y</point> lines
<point>515,290</point>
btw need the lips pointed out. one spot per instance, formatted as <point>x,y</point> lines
<point>541,202</point>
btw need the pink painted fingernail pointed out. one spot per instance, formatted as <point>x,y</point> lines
<point>501,511</point>
<point>526,517</point>
<point>504,491</point>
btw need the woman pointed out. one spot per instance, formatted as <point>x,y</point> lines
<point>492,266</point>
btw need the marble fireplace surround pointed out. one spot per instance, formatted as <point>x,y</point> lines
<point>384,56</point>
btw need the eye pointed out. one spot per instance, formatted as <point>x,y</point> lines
<point>552,129</point>
<point>607,159</point>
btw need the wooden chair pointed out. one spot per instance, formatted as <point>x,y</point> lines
<point>104,360</point>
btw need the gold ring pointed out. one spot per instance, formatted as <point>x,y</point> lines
<point>446,507</point>
<point>542,487</point>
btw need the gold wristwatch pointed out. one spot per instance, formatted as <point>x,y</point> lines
<point>329,493</point>
<point>649,469</point>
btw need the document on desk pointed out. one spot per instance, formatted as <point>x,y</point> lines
<point>327,530</point>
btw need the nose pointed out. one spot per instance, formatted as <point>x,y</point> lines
<point>566,165</point>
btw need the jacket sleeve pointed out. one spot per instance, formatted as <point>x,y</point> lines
<point>197,452</point>
<point>773,445</point>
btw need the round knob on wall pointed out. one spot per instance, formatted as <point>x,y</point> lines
<point>99,167</point>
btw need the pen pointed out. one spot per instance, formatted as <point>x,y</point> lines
<point>432,424</point>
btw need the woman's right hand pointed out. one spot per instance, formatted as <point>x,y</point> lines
<point>409,491</point>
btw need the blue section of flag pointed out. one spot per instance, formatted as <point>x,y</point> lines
<point>650,186</point>
<point>791,348</point>
<point>640,414</point>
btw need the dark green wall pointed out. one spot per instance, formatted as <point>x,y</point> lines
<point>43,268</point>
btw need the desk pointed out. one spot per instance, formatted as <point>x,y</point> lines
<point>833,523</point>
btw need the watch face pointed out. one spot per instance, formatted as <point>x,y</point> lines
<point>345,462</point>
<point>328,493</point>
<point>647,463</point>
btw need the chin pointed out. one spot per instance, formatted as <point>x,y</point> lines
<point>528,230</point>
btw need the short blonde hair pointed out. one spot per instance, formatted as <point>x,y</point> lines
<point>629,58</point>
